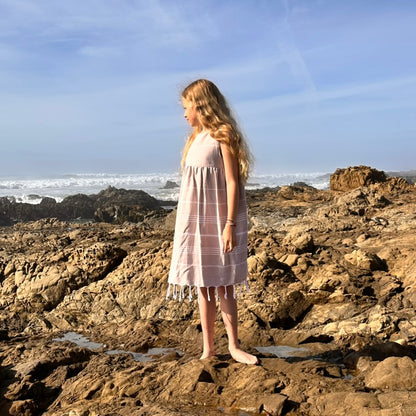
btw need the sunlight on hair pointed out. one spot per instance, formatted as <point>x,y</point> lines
<point>215,116</point>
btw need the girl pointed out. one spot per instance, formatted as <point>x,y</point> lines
<point>210,243</point>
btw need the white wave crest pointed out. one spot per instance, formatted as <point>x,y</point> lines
<point>32,190</point>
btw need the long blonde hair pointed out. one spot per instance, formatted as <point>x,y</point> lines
<point>215,116</point>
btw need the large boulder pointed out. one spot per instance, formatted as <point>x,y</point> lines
<point>76,206</point>
<point>119,205</point>
<point>110,205</point>
<point>354,177</point>
<point>113,196</point>
<point>395,373</point>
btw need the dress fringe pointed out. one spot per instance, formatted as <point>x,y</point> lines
<point>177,292</point>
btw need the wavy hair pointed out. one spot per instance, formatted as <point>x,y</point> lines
<point>215,116</point>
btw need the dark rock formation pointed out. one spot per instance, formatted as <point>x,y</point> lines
<point>119,205</point>
<point>110,205</point>
<point>170,185</point>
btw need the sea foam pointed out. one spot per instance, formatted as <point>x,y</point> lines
<point>32,190</point>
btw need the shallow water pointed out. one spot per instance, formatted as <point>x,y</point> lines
<point>283,351</point>
<point>84,342</point>
<point>80,340</point>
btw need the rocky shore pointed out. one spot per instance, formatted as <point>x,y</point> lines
<point>111,205</point>
<point>85,328</point>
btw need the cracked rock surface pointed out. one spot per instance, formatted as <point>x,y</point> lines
<point>331,310</point>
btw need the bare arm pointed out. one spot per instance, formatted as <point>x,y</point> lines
<point>231,179</point>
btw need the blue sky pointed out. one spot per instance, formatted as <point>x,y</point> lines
<point>94,85</point>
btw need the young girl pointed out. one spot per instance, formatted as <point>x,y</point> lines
<point>210,243</point>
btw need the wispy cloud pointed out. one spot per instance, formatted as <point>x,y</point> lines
<point>95,73</point>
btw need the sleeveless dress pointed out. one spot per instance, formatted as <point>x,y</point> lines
<point>198,258</point>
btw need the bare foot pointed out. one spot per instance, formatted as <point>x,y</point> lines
<point>207,354</point>
<point>243,357</point>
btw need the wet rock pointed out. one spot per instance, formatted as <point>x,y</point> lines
<point>113,196</point>
<point>120,205</point>
<point>76,206</point>
<point>48,201</point>
<point>110,205</point>
<point>170,185</point>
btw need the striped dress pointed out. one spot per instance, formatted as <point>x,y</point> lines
<point>198,258</point>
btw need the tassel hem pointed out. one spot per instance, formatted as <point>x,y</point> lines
<point>177,292</point>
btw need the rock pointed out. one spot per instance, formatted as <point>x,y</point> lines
<point>409,176</point>
<point>332,285</point>
<point>398,401</point>
<point>273,404</point>
<point>5,220</point>
<point>395,186</point>
<point>120,205</point>
<point>77,206</point>
<point>379,352</point>
<point>114,196</point>
<point>48,201</point>
<point>365,260</point>
<point>280,309</point>
<point>292,192</point>
<point>4,336</point>
<point>170,185</point>
<point>110,205</point>
<point>394,373</point>
<point>291,259</point>
<point>355,202</point>
<point>362,238</point>
<point>23,408</point>
<point>344,404</point>
<point>170,221</point>
<point>355,177</point>
<point>299,241</point>
<point>262,262</point>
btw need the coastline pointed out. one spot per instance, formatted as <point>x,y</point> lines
<point>32,190</point>
<point>330,312</point>
<point>159,185</point>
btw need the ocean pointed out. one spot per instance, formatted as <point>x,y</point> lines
<point>32,190</point>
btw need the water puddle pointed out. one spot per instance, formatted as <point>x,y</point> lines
<point>84,342</point>
<point>283,351</point>
<point>80,340</point>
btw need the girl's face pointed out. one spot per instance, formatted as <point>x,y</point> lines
<point>190,113</point>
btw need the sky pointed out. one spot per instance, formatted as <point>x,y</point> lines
<point>93,86</point>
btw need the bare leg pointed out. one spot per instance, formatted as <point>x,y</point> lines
<point>230,318</point>
<point>208,311</point>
